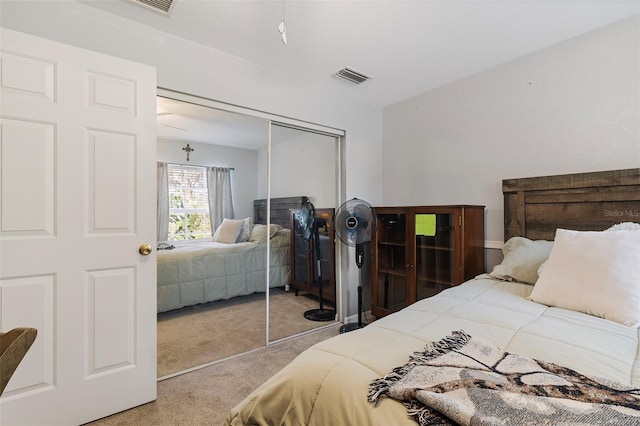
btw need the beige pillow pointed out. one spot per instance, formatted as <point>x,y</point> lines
<point>228,231</point>
<point>245,231</point>
<point>597,273</point>
<point>259,232</point>
<point>522,258</point>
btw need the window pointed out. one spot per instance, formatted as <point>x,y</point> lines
<point>188,203</point>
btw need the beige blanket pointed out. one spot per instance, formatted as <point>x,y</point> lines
<point>463,380</point>
<point>328,383</point>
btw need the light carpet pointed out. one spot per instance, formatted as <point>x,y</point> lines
<point>199,334</point>
<point>205,396</point>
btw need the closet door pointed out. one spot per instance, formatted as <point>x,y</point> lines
<point>303,163</point>
<point>290,161</point>
<point>213,306</point>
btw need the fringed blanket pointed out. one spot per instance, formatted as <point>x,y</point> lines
<point>461,380</point>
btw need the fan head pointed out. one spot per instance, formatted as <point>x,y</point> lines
<point>355,222</point>
<point>306,220</point>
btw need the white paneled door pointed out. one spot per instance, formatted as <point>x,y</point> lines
<point>77,200</point>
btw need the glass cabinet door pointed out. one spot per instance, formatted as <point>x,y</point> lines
<point>434,245</point>
<point>392,281</point>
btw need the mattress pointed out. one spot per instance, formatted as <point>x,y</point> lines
<point>201,271</point>
<point>328,383</point>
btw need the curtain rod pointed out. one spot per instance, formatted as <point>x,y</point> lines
<point>196,165</point>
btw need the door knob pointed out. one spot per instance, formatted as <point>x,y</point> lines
<point>145,249</point>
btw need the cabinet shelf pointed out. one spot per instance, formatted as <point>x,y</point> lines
<point>392,243</point>
<point>437,247</point>
<point>430,247</point>
<point>397,272</point>
<point>425,281</point>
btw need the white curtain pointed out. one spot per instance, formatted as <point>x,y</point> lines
<point>220,202</point>
<point>163,202</point>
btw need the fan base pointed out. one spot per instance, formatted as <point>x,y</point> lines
<point>320,315</point>
<point>350,327</point>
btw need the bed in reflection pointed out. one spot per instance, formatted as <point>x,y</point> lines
<point>232,263</point>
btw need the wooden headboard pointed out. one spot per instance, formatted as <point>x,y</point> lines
<point>535,207</point>
<point>280,210</point>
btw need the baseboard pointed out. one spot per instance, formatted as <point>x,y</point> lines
<point>354,318</point>
<point>493,245</point>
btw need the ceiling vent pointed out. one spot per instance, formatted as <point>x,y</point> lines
<point>352,75</point>
<point>158,5</point>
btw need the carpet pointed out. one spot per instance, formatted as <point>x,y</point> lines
<point>205,396</point>
<point>200,334</point>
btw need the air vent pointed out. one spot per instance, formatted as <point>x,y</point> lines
<point>352,75</point>
<point>159,5</point>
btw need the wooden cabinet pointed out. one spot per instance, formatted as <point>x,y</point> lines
<point>304,267</point>
<point>419,251</point>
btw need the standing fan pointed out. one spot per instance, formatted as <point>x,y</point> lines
<point>308,226</point>
<point>355,223</point>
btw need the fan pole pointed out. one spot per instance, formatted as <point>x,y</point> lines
<point>359,262</point>
<point>355,325</point>
<point>321,314</point>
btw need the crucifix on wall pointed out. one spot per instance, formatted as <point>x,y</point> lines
<point>189,150</point>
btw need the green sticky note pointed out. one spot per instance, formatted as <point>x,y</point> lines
<point>426,225</point>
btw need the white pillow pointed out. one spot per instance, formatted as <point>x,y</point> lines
<point>245,232</point>
<point>625,226</point>
<point>522,258</point>
<point>597,273</point>
<point>259,232</point>
<point>228,231</point>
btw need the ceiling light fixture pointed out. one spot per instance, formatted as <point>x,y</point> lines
<point>281,28</point>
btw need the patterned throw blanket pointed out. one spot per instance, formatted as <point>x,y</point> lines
<point>460,380</point>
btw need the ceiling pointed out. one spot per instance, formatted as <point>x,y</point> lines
<point>188,122</point>
<point>408,47</point>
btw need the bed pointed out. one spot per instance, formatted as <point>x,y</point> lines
<point>366,377</point>
<point>201,271</point>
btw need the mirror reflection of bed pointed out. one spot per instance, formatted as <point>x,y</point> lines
<point>211,295</point>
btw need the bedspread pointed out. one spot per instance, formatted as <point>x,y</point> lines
<point>204,271</point>
<point>328,383</point>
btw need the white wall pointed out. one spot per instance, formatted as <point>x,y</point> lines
<point>195,69</point>
<point>243,179</point>
<point>572,107</point>
<point>192,68</point>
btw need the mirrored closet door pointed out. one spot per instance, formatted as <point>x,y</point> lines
<point>211,298</point>
<point>213,275</point>
<point>303,168</point>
